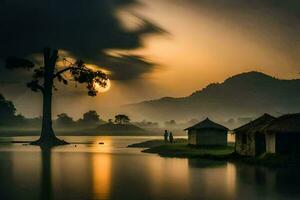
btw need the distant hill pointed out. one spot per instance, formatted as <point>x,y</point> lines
<point>246,94</point>
<point>115,129</point>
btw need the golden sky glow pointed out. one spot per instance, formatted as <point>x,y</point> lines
<point>204,47</point>
<point>207,42</point>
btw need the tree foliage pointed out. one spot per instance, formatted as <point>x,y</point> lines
<point>90,118</point>
<point>7,108</point>
<point>122,119</point>
<point>78,72</point>
<point>7,111</point>
<point>170,123</point>
<point>8,116</point>
<point>64,120</point>
<point>15,62</point>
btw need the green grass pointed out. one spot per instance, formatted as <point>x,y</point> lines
<point>184,150</point>
<point>224,153</point>
<point>155,143</point>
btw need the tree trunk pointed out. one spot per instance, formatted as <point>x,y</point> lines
<point>47,130</point>
<point>48,138</point>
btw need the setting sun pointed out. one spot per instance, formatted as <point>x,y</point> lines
<point>101,89</point>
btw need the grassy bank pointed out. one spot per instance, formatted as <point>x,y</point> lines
<point>156,143</point>
<point>181,149</point>
<point>185,151</point>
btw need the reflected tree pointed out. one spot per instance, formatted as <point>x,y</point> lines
<point>46,192</point>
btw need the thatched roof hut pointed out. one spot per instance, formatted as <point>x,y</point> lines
<point>256,125</point>
<point>283,134</point>
<point>207,132</point>
<point>207,124</point>
<point>285,124</point>
<point>249,138</point>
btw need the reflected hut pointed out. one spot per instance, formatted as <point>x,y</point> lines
<point>250,139</point>
<point>283,135</point>
<point>206,133</point>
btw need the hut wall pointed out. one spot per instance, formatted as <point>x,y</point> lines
<point>245,144</point>
<point>211,137</point>
<point>287,143</point>
<point>260,143</point>
<point>270,143</point>
<point>192,137</point>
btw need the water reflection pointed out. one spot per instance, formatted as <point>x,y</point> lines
<point>164,176</point>
<point>6,174</point>
<point>115,172</point>
<point>101,175</point>
<point>72,173</point>
<point>19,174</point>
<point>212,179</point>
<point>46,176</point>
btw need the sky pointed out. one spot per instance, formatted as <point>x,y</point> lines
<point>150,49</point>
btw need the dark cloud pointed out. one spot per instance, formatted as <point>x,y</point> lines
<point>84,28</point>
<point>128,67</point>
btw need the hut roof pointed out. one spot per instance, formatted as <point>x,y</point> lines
<point>207,124</point>
<point>285,124</point>
<point>255,125</point>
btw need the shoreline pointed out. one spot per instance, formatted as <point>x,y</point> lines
<point>216,153</point>
<point>33,133</point>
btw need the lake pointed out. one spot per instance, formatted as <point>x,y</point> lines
<point>112,171</point>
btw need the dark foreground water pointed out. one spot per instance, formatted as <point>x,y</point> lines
<point>112,171</point>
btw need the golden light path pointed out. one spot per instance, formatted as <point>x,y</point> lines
<point>101,89</point>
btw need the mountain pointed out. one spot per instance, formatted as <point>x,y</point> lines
<point>242,95</point>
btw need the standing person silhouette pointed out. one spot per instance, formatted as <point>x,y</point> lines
<point>166,136</point>
<point>171,137</point>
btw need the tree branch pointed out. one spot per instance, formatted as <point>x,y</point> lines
<point>35,86</point>
<point>40,88</point>
<point>62,71</point>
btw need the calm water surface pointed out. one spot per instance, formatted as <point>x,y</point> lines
<point>112,171</point>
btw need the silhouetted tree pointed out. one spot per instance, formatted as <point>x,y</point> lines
<point>43,81</point>
<point>122,119</point>
<point>7,110</point>
<point>170,123</point>
<point>90,118</point>
<point>63,120</point>
<point>8,114</point>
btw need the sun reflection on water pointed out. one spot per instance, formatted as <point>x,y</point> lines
<point>101,176</point>
<point>231,179</point>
